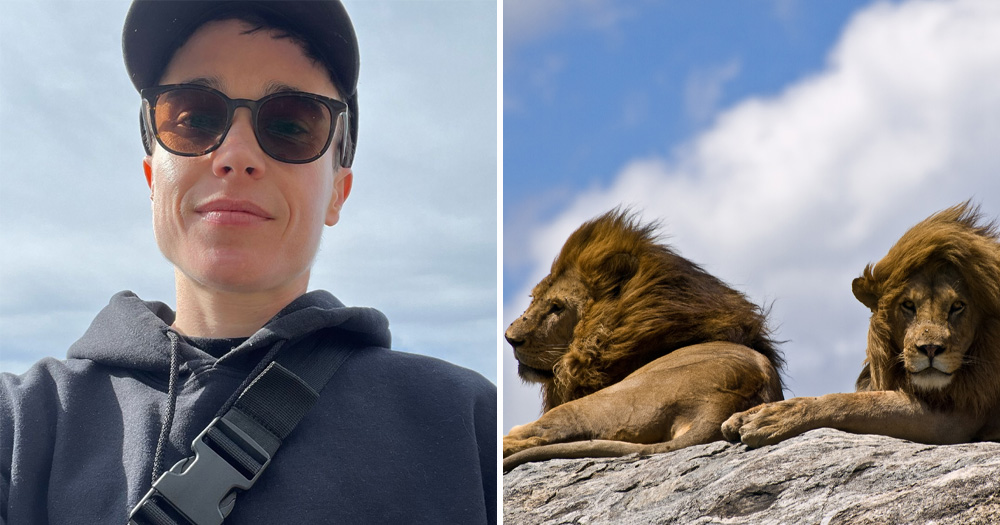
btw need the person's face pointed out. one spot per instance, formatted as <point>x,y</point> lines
<point>236,219</point>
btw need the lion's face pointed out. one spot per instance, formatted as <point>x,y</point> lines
<point>542,334</point>
<point>933,321</point>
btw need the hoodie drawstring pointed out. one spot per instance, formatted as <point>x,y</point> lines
<point>168,421</point>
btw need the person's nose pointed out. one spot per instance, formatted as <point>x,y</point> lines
<point>239,152</point>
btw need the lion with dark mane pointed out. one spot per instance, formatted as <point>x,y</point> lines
<point>637,349</point>
<point>932,372</point>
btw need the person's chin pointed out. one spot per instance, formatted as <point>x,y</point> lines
<point>250,278</point>
<point>228,271</point>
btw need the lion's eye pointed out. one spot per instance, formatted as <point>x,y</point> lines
<point>908,306</point>
<point>957,307</point>
<point>555,308</point>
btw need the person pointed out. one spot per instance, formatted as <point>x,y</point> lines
<point>250,122</point>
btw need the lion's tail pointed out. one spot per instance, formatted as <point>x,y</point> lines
<point>595,448</point>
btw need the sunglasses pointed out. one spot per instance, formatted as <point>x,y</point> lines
<point>294,127</point>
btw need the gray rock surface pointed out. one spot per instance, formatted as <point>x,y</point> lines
<point>824,476</point>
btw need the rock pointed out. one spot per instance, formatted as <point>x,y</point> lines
<point>824,476</point>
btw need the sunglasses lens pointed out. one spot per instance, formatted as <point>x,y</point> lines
<point>294,128</point>
<point>190,121</point>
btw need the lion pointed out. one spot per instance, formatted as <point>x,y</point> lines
<point>637,349</point>
<point>932,371</point>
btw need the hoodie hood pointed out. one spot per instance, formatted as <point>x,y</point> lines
<point>132,333</point>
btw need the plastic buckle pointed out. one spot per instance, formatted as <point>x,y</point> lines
<point>203,488</point>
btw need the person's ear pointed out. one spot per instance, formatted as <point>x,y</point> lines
<point>342,183</point>
<point>147,167</point>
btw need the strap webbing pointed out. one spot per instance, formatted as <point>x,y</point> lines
<point>246,438</point>
<point>277,382</point>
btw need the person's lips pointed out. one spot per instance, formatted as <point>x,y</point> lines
<point>232,212</point>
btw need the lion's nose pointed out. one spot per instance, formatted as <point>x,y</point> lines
<point>930,350</point>
<point>514,342</point>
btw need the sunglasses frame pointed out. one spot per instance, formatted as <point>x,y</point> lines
<point>339,116</point>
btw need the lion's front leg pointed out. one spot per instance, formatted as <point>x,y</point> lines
<point>889,413</point>
<point>576,420</point>
<point>555,426</point>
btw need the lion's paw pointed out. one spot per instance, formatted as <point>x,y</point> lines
<point>731,427</point>
<point>770,423</point>
<point>514,445</point>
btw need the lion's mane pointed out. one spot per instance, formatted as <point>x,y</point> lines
<point>646,301</point>
<point>957,236</point>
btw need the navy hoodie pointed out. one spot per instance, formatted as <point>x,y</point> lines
<point>393,438</point>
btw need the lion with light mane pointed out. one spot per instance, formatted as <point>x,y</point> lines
<point>932,372</point>
<point>637,349</point>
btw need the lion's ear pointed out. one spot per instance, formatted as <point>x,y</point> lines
<point>862,288</point>
<point>615,270</point>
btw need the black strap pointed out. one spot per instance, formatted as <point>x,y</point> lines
<point>233,451</point>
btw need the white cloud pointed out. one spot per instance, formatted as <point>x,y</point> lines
<point>787,198</point>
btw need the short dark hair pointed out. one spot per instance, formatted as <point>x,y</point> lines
<point>265,20</point>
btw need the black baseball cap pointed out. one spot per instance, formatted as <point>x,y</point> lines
<point>154,29</point>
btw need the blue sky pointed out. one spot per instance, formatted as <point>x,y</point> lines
<point>598,85</point>
<point>416,239</point>
<point>782,144</point>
